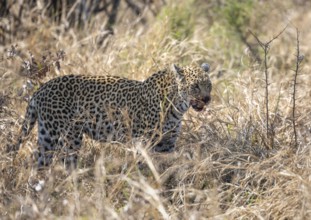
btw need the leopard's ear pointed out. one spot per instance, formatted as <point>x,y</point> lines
<point>177,71</point>
<point>205,67</point>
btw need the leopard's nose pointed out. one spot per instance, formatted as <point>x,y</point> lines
<point>206,99</point>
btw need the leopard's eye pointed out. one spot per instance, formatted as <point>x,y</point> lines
<point>196,88</point>
<point>210,87</point>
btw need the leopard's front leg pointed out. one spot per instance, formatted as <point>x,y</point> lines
<point>170,134</point>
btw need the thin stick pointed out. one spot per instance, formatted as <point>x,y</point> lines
<point>299,59</point>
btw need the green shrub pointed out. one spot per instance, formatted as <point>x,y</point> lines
<point>238,13</point>
<point>180,19</point>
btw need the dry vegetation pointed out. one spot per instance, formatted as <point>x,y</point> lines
<point>228,163</point>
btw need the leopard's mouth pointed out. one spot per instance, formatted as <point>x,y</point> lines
<point>197,105</point>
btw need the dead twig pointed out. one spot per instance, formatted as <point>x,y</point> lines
<point>265,47</point>
<point>299,59</point>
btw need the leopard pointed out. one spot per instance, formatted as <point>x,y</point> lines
<point>110,108</point>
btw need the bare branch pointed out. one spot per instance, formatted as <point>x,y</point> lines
<point>266,44</point>
<point>262,45</point>
<point>265,47</point>
<point>276,36</point>
<point>299,59</point>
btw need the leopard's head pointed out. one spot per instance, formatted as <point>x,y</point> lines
<point>194,85</point>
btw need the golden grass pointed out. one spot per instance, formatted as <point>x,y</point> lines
<point>222,168</point>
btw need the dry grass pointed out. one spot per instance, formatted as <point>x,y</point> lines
<point>223,167</point>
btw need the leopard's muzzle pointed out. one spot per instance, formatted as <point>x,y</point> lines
<point>199,104</point>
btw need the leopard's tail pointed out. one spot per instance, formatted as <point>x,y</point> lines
<point>28,124</point>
